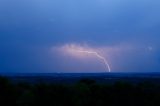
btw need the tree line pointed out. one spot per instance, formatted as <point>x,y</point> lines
<point>85,92</point>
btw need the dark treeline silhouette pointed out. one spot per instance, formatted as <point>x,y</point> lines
<point>86,92</point>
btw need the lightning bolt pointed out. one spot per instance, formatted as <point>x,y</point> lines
<point>99,56</point>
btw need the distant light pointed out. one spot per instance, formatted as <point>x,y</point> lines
<point>150,48</point>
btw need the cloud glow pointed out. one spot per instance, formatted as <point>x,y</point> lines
<point>111,57</point>
<point>84,52</point>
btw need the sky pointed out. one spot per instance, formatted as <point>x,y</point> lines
<point>45,36</point>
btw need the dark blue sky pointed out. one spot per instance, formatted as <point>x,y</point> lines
<point>34,35</point>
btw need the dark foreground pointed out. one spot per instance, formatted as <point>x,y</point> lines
<point>85,91</point>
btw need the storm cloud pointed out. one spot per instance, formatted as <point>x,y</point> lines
<point>32,32</point>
